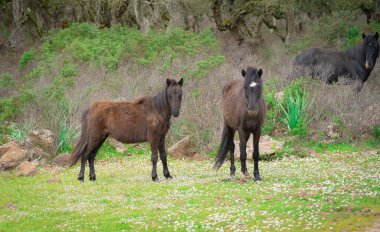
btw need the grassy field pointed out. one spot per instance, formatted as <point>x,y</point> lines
<point>318,193</point>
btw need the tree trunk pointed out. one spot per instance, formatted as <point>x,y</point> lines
<point>19,17</point>
<point>177,14</point>
<point>142,21</point>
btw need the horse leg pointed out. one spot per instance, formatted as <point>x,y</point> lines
<point>232,157</point>
<point>243,136</point>
<point>154,158</point>
<point>82,168</point>
<point>162,150</point>
<point>91,158</point>
<point>256,139</point>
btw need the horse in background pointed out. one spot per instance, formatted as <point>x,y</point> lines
<point>145,119</point>
<point>244,110</point>
<point>355,63</point>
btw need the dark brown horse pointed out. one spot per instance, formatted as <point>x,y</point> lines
<point>244,111</point>
<point>143,119</point>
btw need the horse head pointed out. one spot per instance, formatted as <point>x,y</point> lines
<point>252,89</point>
<point>371,48</point>
<point>174,95</point>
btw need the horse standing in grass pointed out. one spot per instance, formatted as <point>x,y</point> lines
<point>143,119</point>
<point>244,111</point>
<point>355,63</point>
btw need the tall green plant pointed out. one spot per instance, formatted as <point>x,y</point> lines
<point>66,136</point>
<point>294,110</point>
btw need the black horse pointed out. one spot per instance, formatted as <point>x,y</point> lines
<point>355,63</point>
<point>244,111</point>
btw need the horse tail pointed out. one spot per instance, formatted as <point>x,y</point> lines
<point>227,139</point>
<point>81,146</point>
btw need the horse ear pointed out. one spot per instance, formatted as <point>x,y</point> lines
<point>363,36</point>
<point>180,82</point>
<point>168,82</point>
<point>376,35</point>
<point>260,72</point>
<point>243,72</point>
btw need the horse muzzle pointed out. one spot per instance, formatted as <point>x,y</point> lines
<point>175,113</point>
<point>253,113</point>
<point>368,66</point>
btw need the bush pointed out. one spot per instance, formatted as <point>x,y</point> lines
<point>294,107</point>
<point>66,136</point>
<point>6,80</point>
<point>25,58</point>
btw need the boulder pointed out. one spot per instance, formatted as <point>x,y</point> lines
<point>37,153</point>
<point>267,146</point>
<point>5,147</point>
<point>43,139</point>
<point>26,169</point>
<point>62,160</point>
<point>13,157</point>
<point>184,149</point>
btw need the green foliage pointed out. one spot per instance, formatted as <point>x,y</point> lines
<point>294,112</point>
<point>110,46</point>
<point>353,37</point>
<point>273,108</point>
<point>299,45</point>
<point>376,132</point>
<point>204,66</point>
<point>6,80</point>
<point>8,108</point>
<point>25,58</point>
<point>294,107</point>
<point>108,151</point>
<point>34,73</point>
<point>16,133</point>
<point>66,136</point>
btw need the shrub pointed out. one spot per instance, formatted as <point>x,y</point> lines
<point>25,58</point>
<point>66,136</point>
<point>353,37</point>
<point>294,113</point>
<point>6,80</point>
<point>294,107</point>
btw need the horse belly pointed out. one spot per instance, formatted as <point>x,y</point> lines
<point>129,130</point>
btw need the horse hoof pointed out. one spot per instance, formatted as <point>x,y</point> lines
<point>92,178</point>
<point>155,178</point>
<point>257,178</point>
<point>232,175</point>
<point>168,177</point>
<point>81,179</point>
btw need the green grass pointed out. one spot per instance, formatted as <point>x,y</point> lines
<point>319,193</point>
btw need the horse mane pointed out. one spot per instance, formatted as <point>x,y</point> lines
<point>356,53</point>
<point>160,102</point>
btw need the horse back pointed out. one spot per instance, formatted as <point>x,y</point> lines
<point>233,102</point>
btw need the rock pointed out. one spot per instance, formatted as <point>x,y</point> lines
<point>279,96</point>
<point>267,146</point>
<point>62,160</point>
<point>183,149</point>
<point>5,147</point>
<point>13,157</point>
<point>119,146</point>
<point>54,180</point>
<point>26,169</point>
<point>37,153</point>
<point>44,139</point>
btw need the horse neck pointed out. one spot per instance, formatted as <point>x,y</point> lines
<point>356,53</point>
<point>161,105</point>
